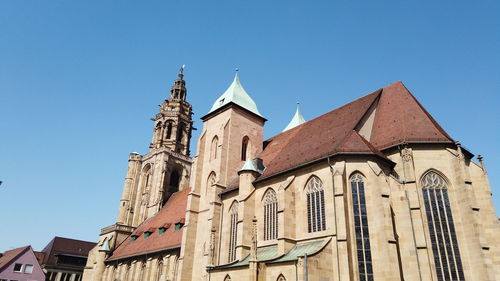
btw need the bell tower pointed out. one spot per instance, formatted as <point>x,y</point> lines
<point>173,124</point>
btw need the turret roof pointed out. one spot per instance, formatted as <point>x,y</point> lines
<point>236,94</point>
<point>297,119</point>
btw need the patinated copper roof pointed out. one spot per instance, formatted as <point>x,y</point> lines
<point>173,212</point>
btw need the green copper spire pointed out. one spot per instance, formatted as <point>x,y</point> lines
<point>297,119</point>
<point>236,94</point>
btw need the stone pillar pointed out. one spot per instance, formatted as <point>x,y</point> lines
<point>469,243</point>
<point>246,212</point>
<point>134,164</point>
<point>416,210</point>
<point>341,224</point>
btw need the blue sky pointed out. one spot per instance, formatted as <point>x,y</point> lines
<point>80,80</point>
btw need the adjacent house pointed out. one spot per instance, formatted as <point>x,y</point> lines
<point>64,259</point>
<point>20,264</point>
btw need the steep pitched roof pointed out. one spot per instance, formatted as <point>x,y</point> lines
<point>10,255</point>
<point>236,94</point>
<point>315,139</point>
<point>399,118</point>
<point>61,245</point>
<point>173,212</point>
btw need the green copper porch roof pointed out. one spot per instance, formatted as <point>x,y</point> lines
<point>236,94</point>
<point>270,254</point>
<point>297,119</point>
<point>301,249</point>
<point>263,254</point>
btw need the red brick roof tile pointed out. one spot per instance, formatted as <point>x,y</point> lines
<point>173,212</point>
<point>399,118</point>
<point>315,139</point>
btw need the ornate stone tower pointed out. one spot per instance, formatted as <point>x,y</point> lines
<point>173,124</point>
<point>153,177</point>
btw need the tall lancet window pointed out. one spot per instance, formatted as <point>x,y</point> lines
<point>315,205</point>
<point>441,228</point>
<point>244,148</point>
<point>270,202</point>
<point>233,232</point>
<point>361,228</point>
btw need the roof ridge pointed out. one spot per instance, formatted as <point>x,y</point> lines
<point>436,124</point>
<point>326,113</point>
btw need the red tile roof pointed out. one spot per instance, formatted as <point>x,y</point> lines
<point>60,245</point>
<point>173,212</point>
<point>10,255</point>
<point>399,118</point>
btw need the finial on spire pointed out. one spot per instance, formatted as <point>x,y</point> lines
<point>237,69</point>
<point>181,71</point>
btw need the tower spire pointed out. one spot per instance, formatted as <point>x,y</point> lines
<point>297,119</point>
<point>173,124</point>
<point>178,90</point>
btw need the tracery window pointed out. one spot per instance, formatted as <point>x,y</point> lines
<point>361,228</point>
<point>211,179</point>
<point>270,203</point>
<point>315,205</point>
<point>233,232</point>
<point>441,228</point>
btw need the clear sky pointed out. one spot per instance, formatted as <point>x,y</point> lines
<point>79,81</point>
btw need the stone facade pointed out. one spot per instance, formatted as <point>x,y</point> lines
<point>363,192</point>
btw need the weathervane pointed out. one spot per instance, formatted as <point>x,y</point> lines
<point>182,69</point>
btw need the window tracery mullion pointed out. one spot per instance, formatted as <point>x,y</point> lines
<point>444,227</point>
<point>432,232</point>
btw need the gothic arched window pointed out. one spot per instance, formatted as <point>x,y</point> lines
<point>316,220</point>
<point>244,148</point>
<point>169,130</point>
<point>270,203</point>
<point>213,148</point>
<point>233,232</point>
<point>361,227</point>
<point>441,228</point>
<point>211,180</point>
<point>180,132</point>
<point>281,278</point>
<point>228,278</point>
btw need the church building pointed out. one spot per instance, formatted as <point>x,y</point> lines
<point>375,190</point>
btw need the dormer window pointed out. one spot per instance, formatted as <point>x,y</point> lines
<point>179,225</point>
<point>163,228</point>
<point>133,237</point>
<point>148,233</point>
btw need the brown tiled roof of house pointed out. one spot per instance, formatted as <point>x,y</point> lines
<point>39,256</point>
<point>399,118</point>
<point>60,245</point>
<point>10,255</point>
<point>173,212</point>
